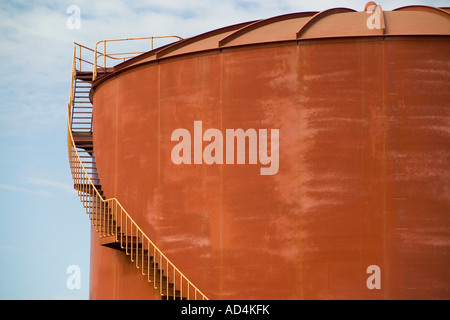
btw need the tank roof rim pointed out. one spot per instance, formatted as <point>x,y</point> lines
<point>235,31</point>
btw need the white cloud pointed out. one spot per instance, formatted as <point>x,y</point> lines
<point>41,182</point>
<point>39,187</point>
<point>37,192</point>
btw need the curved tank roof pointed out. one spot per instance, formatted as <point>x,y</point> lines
<point>415,20</point>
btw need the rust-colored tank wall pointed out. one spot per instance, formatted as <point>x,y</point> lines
<point>114,277</point>
<point>363,177</point>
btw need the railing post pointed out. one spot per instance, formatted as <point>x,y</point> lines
<point>94,72</point>
<point>104,55</point>
<point>79,54</point>
<point>154,267</point>
<point>137,248</point>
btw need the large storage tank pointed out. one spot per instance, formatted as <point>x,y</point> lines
<point>341,189</point>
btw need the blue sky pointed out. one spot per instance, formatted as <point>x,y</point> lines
<point>43,226</point>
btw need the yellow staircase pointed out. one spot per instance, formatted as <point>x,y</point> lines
<point>115,227</point>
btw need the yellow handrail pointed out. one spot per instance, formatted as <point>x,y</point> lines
<point>79,57</point>
<point>123,55</point>
<point>112,220</point>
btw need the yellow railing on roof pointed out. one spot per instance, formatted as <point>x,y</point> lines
<point>111,220</point>
<point>121,56</point>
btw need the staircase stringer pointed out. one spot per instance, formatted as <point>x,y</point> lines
<point>112,222</point>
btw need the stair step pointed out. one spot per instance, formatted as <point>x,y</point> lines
<point>84,144</point>
<point>89,165</point>
<point>102,221</point>
<point>84,187</point>
<point>164,284</point>
<point>105,227</point>
<point>97,203</point>
<point>106,231</point>
<point>130,244</point>
<point>164,297</point>
<point>124,239</point>
<point>84,75</point>
<point>154,270</point>
<point>110,241</point>
<point>171,294</point>
<point>101,213</point>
